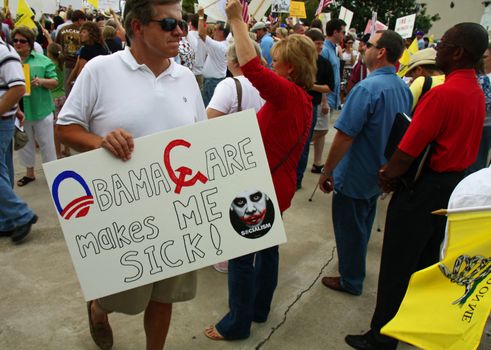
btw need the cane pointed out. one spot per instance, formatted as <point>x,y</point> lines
<point>313,193</point>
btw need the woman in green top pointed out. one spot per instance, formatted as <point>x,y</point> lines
<point>38,106</point>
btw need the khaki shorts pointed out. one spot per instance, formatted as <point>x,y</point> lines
<point>134,301</point>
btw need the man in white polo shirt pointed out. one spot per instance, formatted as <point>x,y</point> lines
<point>215,68</point>
<point>117,98</point>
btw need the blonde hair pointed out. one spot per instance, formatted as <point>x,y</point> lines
<point>299,52</point>
<point>282,32</point>
<point>232,53</point>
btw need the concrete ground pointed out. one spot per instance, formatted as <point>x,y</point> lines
<point>42,305</point>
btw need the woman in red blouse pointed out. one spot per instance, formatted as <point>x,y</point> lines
<point>284,121</point>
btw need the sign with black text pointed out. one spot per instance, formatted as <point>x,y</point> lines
<point>189,197</point>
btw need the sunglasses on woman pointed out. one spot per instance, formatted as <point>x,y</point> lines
<point>169,24</point>
<point>22,41</point>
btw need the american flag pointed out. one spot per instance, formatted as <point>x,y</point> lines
<point>245,10</point>
<point>322,5</point>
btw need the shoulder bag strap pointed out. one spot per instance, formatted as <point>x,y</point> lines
<point>239,94</point>
<point>289,153</point>
<point>426,86</point>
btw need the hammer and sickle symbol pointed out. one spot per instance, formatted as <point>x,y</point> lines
<point>183,171</point>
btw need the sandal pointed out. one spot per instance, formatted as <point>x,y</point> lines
<point>101,333</point>
<point>212,333</point>
<point>25,180</point>
<point>316,169</point>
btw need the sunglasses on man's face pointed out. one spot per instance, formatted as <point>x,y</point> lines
<point>22,41</point>
<point>169,24</point>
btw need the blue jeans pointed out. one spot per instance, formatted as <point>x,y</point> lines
<point>13,211</point>
<point>304,157</point>
<point>352,220</point>
<point>251,285</point>
<point>209,85</point>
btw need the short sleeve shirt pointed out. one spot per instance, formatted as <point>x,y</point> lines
<point>11,73</point>
<point>329,53</point>
<point>367,117</point>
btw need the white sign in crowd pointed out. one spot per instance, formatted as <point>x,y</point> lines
<point>405,26</point>
<point>188,198</point>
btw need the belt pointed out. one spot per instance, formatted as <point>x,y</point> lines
<point>5,118</point>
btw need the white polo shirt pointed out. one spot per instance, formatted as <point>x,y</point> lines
<point>216,61</point>
<point>115,91</point>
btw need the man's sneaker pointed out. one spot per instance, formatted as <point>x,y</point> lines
<point>22,231</point>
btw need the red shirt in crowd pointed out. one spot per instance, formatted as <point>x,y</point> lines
<point>451,116</point>
<point>284,121</point>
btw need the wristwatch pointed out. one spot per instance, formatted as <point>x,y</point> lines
<point>323,172</point>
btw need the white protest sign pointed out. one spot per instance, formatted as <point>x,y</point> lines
<point>405,26</point>
<point>189,197</point>
<point>76,4</point>
<point>41,6</point>
<point>258,8</point>
<point>109,4</point>
<point>215,9</point>
<point>324,17</point>
<point>280,6</point>
<point>346,15</point>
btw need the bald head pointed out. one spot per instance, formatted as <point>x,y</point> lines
<point>472,37</point>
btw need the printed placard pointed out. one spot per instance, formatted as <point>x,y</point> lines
<point>405,26</point>
<point>280,6</point>
<point>189,197</point>
<point>297,9</point>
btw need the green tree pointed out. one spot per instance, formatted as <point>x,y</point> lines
<point>387,12</point>
<point>188,6</point>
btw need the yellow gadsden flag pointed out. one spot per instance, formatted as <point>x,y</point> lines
<point>94,3</point>
<point>24,15</point>
<point>406,57</point>
<point>447,304</point>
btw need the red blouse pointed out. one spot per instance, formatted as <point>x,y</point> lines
<point>284,121</point>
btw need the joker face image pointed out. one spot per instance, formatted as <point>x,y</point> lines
<point>250,207</point>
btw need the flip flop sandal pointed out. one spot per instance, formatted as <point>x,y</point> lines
<point>212,333</point>
<point>24,181</point>
<point>101,332</point>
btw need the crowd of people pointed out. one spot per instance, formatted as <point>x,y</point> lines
<point>84,73</point>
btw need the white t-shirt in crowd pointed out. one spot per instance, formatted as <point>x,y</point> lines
<point>225,96</point>
<point>216,59</point>
<point>199,51</point>
<point>115,91</point>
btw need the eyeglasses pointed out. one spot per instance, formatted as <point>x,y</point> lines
<point>22,41</point>
<point>443,44</point>
<point>369,45</point>
<point>169,24</point>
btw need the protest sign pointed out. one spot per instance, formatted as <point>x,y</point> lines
<point>280,6</point>
<point>297,9</point>
<point>378,26</point>
<point>109,4</point>
<point>346,15</point>
<point>405,26</point>
<point>324,17</point>
<point>76,4</point>
<point>189,197</point>
<point>215,9</point>
<point>258,8</point>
